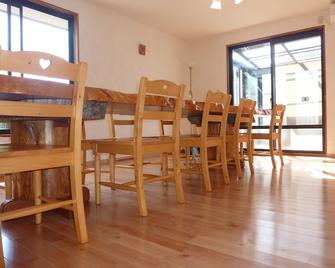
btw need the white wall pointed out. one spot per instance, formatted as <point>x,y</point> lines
<point>108,42</point>
<point>210,71</point>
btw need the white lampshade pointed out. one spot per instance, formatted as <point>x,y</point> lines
<point>216,4</point>
<point>238,2</point>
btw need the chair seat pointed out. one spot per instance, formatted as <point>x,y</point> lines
<point>126,145</point>
<point>195,140</point>
<point>88,144</point>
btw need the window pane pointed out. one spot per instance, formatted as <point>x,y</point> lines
<point>261,144</point>
<point>252,74</point>
<point>3,26</point>
<point>299,80</point>
<point>4,126</point>
<point>46,33</point>
<point>302,139</point>
<point>295,139</point>
<point>15,32</point>
<point>3,29</point>
<point>15,29</point>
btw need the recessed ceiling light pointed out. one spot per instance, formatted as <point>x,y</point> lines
<point>216,4</point>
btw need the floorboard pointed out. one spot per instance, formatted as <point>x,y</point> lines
<point>274,218</point>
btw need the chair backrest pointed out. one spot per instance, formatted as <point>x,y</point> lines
<point>118,122</point>
<point>215,99</point>
<point>162,125</point>
<point>47,65</point>
<point>244,116</point>
<point>159,88</point>
<point>277,118</point>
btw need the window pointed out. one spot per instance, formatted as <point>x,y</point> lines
<point>286,70</point>
<point>29,26</point>
<point>25,25</point>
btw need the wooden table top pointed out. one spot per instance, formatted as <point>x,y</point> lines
<point>18,88</point>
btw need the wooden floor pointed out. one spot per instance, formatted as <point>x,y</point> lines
<point>276,218</point>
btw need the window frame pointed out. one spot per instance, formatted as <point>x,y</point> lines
<point>49,9</point>
<point>275,39</point>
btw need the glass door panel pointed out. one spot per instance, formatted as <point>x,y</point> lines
<point>302,139</point>
<point>3,26</point>
<point>3,29</point>
<point>286,70</point>
<point>298,85</point>
<point>252,75</point>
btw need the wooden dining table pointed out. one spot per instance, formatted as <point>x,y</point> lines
<point>28,131</point>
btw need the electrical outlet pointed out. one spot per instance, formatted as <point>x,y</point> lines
<point>141,49</point>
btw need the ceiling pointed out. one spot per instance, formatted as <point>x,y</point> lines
<point>193,19</point>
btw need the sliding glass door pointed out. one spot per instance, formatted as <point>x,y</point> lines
<point>285,70</point>
<point>298,85</point>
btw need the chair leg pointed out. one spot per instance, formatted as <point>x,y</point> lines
<point>272,153</point>
<point>252,143</point>
<point>188,155</point>
<point>280,151</point>
<point>250,156</point>
<point>78,204</point>
<point>8,187</point>
<point>142,205</point>
<point>37,182</point>
<point>223,156</point>
<point>177,176</point>
<point>204,167</point>
<point>241,154</point>
<point>83,171</point>
<point>2,258</point>
<point>112,162</point>
<point>164,167</point>
<point>218,153</point>
<point>237,160</point>
<point>97,173</point>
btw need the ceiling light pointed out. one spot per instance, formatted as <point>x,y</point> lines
<point>216,4</point>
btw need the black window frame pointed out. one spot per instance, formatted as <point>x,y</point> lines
<point>316,31</point>
<point>45,8</point>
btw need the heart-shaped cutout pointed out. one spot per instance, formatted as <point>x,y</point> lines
<point>45,64</point>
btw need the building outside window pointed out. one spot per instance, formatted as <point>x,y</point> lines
<point>284,70</point>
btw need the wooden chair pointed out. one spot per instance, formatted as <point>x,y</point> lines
<point>205,141</point>
<point>6,185</point>
<point>21,158</point>
<point>164,160</point>
<point>241,133</point>
<point>89,144</point>
<point>6,180</point>
<point>274,136</point>
<point>139,146</point>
